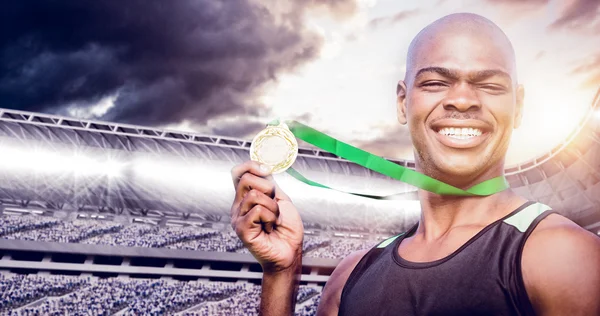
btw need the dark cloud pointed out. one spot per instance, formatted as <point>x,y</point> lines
<point>165,60</point>
<point>578,15</point>
<point>242,127</point>
<point>590,68</point>
<point>393,19</point>
<point>395,143</point>
<point>246,127</point>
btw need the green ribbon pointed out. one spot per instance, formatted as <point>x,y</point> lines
<point>383,166</point>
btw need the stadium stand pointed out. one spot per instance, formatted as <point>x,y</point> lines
<point>339,248</point>
<point>309,308</point>
<point>217,241</point>
<point>24,295</point>
<point>96,232</point>
<point>129,236</point>
<point>15,224</point>
<point>19,290</point>
<point>74,231</point>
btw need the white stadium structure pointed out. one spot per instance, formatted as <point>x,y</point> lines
<point>124,219</point>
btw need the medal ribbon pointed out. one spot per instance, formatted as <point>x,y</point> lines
<point>383,166</point>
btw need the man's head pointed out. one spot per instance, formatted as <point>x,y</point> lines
<point>460,98</point>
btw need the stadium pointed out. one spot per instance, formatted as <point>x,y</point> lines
<point>130,220</point>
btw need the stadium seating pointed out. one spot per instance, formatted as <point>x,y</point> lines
<point>102,232</point>
<point>339,248</point>
<point>76,295</point>
<point>74,231</point>
<point>19,290</point>
<point>309,309</point>
<point>15,224</point>
<point>217,241</point>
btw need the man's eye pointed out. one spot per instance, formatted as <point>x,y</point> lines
<point>433,84</point>
<point>493,88</point>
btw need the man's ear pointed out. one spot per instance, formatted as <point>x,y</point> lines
<point>519,109</point>
<point>401,102</point>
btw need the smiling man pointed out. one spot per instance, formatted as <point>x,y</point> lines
<point>492,255</point>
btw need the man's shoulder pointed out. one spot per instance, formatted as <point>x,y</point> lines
<point>348,264</point>
<point>558,235</point>
<point>330,300</point>
<point>561,257</point>
<point>351,261</point>
<point>556,228</point>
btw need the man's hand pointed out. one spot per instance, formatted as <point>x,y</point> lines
<point>265,219</point>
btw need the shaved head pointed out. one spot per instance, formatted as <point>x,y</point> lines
<point>460,27</point>
<point>460,99</point>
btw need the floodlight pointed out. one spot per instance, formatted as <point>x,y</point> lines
<point>44,161</point>
<point>113,168</point>
<point>163,171</point>
<point>87,166</point>
<point>183,175</point>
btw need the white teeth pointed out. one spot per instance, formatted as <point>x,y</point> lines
<point>460,133</point>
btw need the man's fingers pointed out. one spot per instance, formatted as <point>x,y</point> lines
<point>258,217</point>
<point>248,166</point>
<point>250,176</point>
<point>255,197</point>
<point>249,181</point>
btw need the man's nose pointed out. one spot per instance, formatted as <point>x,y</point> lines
<point>462,98</point>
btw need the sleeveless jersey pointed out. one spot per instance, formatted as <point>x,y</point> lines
<point>482,277</point>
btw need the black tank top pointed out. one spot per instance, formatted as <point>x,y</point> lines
<point>482,277</point>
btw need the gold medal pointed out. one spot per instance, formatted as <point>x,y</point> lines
<point>276,147</point>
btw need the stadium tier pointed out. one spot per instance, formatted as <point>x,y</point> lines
<point>330,243</point>
<point>24,295</point>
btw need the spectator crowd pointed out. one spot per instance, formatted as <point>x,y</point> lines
<point>18,290</point>
<point>29,295</point>
<point>102,232</point>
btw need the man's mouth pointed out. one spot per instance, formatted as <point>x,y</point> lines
<point>460,132</point>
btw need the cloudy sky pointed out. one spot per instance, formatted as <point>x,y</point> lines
<point>228,67</point>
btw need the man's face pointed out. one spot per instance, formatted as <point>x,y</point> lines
<point>461,103</point>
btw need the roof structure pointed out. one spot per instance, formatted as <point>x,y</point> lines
<point>567,178</point>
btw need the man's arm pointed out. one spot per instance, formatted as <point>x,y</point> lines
<point>332,294</point>
<point>561,268</point>
<point>279,291</point>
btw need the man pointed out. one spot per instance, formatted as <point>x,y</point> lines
<point>493,255</point>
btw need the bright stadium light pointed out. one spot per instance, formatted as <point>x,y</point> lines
<point>82,165</point>
<point>181,174</point>
<point>86,166</point>
<point>113,168</point>
<point>36,159</point>
<point>158,170</point>
<point>44,161</point>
